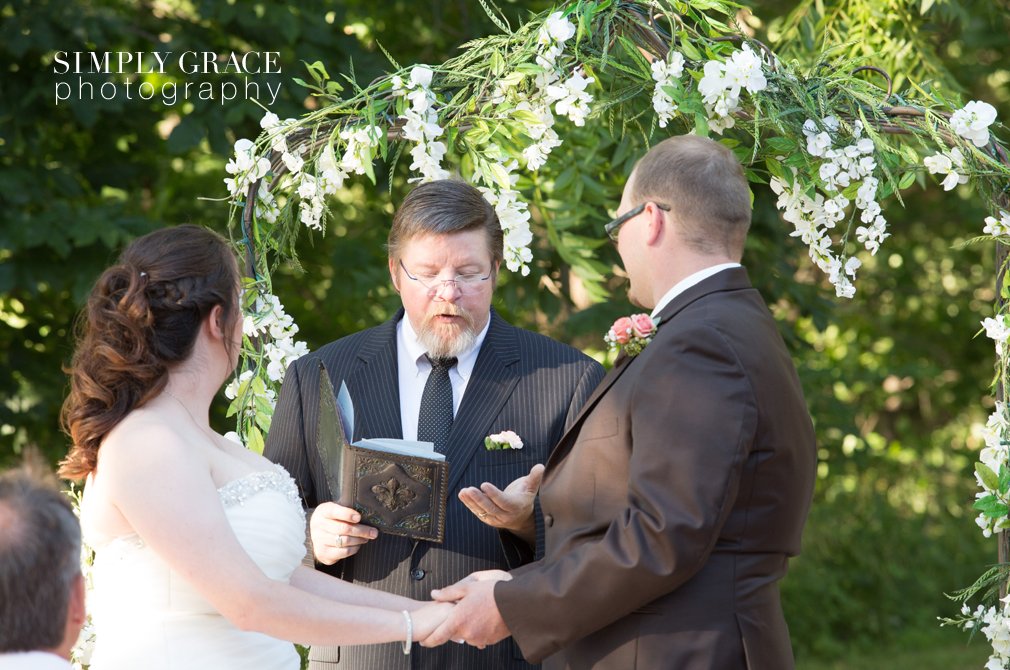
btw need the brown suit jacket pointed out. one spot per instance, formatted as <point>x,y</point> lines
<point>673,502</point>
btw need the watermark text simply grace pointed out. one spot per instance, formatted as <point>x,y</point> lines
<point>189,62</point>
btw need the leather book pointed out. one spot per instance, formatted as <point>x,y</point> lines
<point>391,483</point>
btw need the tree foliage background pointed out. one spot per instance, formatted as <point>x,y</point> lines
<point>894,379</point>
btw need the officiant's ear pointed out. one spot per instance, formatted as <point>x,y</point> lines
<point>393,267</point>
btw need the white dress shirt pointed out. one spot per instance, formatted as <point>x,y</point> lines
<point>33,660</point>
<point>413,369</point>
<point>688,282</point>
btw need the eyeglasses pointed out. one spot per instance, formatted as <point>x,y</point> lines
<point>467,284</point>
<point>612,227</point>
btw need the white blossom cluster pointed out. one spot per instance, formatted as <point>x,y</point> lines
<point>665,72</point>
<point>972,122</point>
<point>247,168</point>
<point>271,318</point>
<point>422,124</point>
<point>992,455</point>
<point>569,97</point>
<point>329,173</point>
<point>814,217</point>
<point>543,135</point>
<point>996,228</point>
<point>995,453</point>
<point>996,628</point>
<point>512,215</point>
<point>231,392</point>
<point>723,81</point>
<point>947,164</point>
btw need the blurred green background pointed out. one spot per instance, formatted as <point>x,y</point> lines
<point>896,381</point>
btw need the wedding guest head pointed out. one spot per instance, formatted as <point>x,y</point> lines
<point>689,207</point>
<point>142,321</point>
<point>445,247</point>
<point>41,586</point>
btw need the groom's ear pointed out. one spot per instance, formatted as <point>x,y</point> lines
<point>658,226</point>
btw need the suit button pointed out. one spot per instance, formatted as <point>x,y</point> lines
<point>548,520</point>
<point>417,573</point>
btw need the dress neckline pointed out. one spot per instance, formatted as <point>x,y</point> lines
<point>231,493</point>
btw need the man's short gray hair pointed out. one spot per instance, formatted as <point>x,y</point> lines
<point>441,208</point>
<point>40,557</point>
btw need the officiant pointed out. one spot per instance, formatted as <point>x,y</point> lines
<point>445,369</point>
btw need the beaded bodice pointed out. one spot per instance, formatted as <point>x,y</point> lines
<point>236,492</point>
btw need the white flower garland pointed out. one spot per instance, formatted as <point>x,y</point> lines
<point>720,87</point>
<point>665,73</point>
<point>422,125</point>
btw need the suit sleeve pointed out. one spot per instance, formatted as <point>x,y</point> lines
<point>285,442</point>
<point>692,421</point>
<point>517,552</point>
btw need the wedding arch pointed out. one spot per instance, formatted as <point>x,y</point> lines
<point>833,141</point>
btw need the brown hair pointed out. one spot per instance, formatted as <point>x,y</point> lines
<point>704,184</point>
<point>441,208</point>
<point>142,318</point>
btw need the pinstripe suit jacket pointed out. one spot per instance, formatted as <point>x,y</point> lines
<point>521,381</point>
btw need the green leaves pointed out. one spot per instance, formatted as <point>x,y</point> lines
<point>988,477</point>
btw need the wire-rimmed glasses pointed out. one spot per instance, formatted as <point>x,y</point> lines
<point>471,284</point>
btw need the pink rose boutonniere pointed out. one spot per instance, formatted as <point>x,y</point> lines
<point>503,440</point>
<point>632,333</point>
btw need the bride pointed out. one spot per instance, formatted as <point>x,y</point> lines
<point>198,540</point>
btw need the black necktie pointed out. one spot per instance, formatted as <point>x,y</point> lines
<point>434,421</point>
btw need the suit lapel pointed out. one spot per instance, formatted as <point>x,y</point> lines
<point>490,385</point>
<point>732,279</point>
<point>375,385</point>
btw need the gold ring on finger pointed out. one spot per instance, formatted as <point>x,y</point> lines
<point>482,514</point>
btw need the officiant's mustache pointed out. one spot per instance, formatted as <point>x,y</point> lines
<point>447,339</point>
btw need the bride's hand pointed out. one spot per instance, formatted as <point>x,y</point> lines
<point>428,618</point>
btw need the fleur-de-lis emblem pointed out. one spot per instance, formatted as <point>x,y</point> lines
<point>393,495</point>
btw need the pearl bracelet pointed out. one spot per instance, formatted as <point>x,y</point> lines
<point>410,631</point>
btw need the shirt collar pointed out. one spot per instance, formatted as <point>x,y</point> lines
<point>688,282</point>
<point>465,362</point>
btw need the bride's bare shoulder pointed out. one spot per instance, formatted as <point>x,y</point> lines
<point>146,439</point>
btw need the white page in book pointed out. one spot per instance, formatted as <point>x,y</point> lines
<point>346,411</point>
<point>402,447</point>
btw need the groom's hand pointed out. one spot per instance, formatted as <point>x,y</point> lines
<point>336,533</point>
<point>511,509</point>
<point>475,618</point>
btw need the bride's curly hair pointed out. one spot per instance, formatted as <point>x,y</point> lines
<point>142,318</point>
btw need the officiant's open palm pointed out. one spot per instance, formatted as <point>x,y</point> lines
<point>511,509</point>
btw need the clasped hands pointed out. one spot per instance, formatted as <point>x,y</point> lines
<point>337,534</point>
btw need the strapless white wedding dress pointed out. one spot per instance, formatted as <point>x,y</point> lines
<point>146,616</point>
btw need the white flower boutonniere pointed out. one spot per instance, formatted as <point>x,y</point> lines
<point>631,332</point>
<point>503,440</point>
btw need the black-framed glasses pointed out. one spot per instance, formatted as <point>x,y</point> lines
<point>471,284</point>
<point>613,227</point>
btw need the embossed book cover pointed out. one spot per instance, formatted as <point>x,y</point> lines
<point>398,486</point>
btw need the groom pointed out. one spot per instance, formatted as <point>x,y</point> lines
<point>446,369</point>
<point>673,503</point>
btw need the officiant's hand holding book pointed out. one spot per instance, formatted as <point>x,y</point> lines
<point>376,485</point>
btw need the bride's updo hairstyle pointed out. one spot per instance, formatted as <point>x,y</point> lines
<point>142,318</point>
